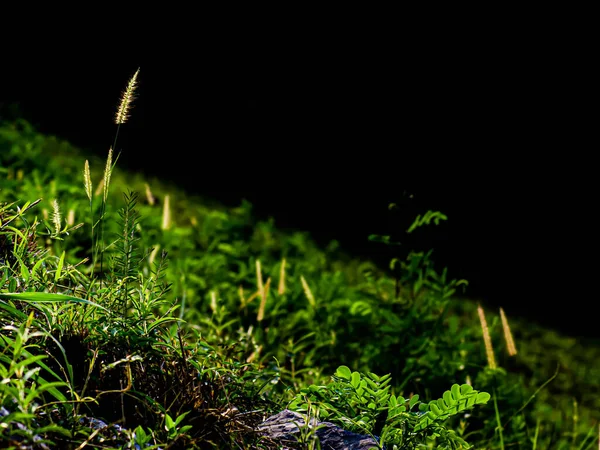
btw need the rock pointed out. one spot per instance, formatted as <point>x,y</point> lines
<point>283,428</point>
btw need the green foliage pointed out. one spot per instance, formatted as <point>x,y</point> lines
<point>426,219</point>
<point>363,403</point>
<point>24,388</point>
<point>174,431</point>
<point>180,328</point>
<point>458,399</point>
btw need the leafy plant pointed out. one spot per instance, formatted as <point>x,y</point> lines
<point>363,403</point>
<point>23,389</point>
<point>166,311</point>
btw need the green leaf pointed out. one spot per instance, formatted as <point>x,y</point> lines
<point>355,379</point>
<point>465,389</point>
<point>471,401</point>
<point>18,417</point>
<point>370,391</point>
<point>373,376</point>
<point>42,388</point>
<point>13,311</point>
<point>140,435</point>
<point>181,417</point>
<point>456,391</point>
<point>433,407</point>
<point>36,266</point>
<point>360,307</point>
<point>449,399</point>
<point>372,384</point>
<point>53,429</point>
<point>31,373</point>
<point>61,262</point>
<point>169,424</point>
<point>383,392</point>
<point>344,372</point>
<point>48,297</point>
<point>482,397</point>
<point>413,400</point>
<point>226,248</point>
<point>31,360</point>
<point>162,321</point>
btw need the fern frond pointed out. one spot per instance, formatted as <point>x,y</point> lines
<point>429,216</point>
<point>127,260</point>
<point>454,401</point>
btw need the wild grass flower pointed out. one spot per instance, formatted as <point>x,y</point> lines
<point>263,301</point>
<point>107,174</point>
<point>262,291</point>
<point>259,279</point>
<point>267,287</point>
<point>87,180</point>
<point>254,354</point>
<point>213,302</point>
<point>241,295</point>
<point>149,195</point>
<point>510,344</point>
<point>127,98</point>
<point>308,292</point>
<point>166,217</point>
<point>71,217</point>
<point>486,338</point>
<point>56,216</point>
<point>281,288</point>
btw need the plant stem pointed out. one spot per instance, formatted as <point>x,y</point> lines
<point>498,421</point>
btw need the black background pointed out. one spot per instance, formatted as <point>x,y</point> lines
<point>322,132</point>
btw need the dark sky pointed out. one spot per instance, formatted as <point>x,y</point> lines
<point>324,134</point>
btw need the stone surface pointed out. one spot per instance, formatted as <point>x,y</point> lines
<point>283,428</point>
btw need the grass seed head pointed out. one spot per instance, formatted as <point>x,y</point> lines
<point>126,100</point>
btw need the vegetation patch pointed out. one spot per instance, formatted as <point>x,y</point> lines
<point>134,315</point>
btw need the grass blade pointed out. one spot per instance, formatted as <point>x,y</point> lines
<point>43,297</point>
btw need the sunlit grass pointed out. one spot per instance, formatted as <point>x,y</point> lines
<point>164,323</point>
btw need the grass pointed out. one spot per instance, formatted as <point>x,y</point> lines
<point>135,314</point>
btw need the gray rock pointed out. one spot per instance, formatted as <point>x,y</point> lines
<point>283,428</point>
